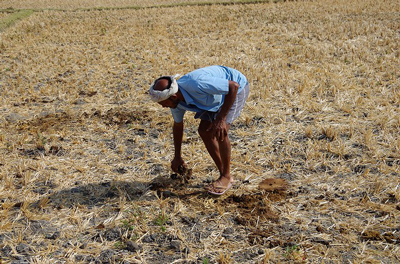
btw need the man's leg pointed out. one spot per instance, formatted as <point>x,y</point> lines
<point>220,152</point>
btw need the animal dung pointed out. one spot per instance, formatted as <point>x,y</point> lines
<point>273,184</point>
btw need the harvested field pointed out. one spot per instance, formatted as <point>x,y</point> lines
<point>101,4</point>
<point>85,155</point>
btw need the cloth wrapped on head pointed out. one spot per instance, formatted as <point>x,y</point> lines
<point>158,96</point>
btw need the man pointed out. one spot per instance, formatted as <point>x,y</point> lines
<point>217,94</point>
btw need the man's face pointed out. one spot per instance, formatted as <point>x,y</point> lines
<point>171,102</point>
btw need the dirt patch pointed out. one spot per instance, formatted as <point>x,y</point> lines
<point>388,236</point>
<point>120,116</point>
<point>61,120</point>
<point>273,185</point>
<point>56,121</point>
<point>174,185</point>
<point>251,208</point>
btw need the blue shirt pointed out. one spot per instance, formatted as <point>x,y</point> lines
<point>204,89</point>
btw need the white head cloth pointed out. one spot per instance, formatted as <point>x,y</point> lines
<point>158,96</point>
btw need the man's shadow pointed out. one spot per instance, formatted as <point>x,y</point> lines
<point>96,194</point>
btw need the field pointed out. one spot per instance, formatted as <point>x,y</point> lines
<point>85,155</point>
<point>114,4</point>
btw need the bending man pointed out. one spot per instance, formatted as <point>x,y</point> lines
<point>217,95</point>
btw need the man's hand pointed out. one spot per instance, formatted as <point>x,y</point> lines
<point>218,129</point>
<point>176,163</point>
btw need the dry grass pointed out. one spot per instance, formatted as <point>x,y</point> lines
<point>79,4</point>
<point>84,155</point>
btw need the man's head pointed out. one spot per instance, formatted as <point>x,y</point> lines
<point>163,91</point>
<point>162,83</point>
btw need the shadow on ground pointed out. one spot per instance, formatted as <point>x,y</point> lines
<point>99,194</point>
<point>95,194</point>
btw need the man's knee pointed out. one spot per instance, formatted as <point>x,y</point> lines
<point>203,129</point>
<point>202,132</point>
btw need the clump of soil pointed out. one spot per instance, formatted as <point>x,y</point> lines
<point>255,206</point>
<point>175,185</point>
<point>251,208</point>
<point>184,174</point>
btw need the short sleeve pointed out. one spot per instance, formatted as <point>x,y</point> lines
<point>213,85</point>
<point>177,114</point>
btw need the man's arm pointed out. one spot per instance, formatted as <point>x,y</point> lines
<point>177,132</point>
<point>219,125</point>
